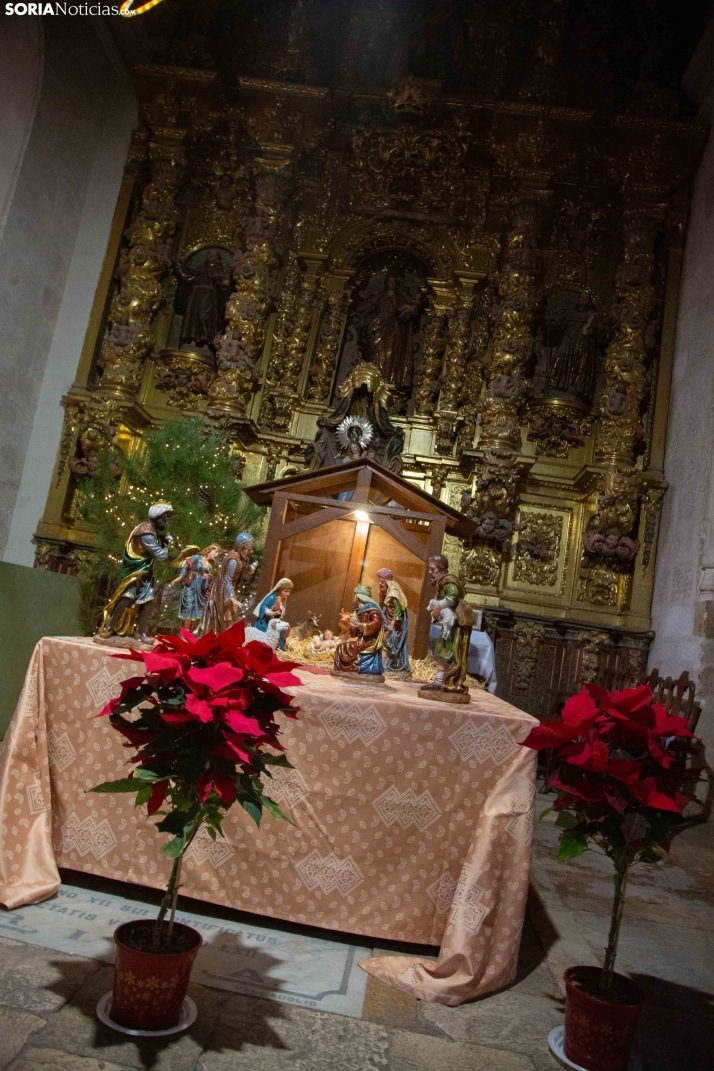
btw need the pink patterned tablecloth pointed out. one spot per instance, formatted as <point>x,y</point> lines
<point>413,819</point>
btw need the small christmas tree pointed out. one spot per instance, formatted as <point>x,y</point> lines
<point>183,463</point>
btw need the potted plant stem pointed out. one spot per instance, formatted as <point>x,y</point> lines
<point>618,765</point>
<point>199,720</point>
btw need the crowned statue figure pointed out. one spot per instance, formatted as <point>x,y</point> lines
<point>128,611</point>
<point>360,654</point>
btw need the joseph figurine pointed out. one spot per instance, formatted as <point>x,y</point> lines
<point>456,618</point>
<point>127,612</point>
<point>361,652</point>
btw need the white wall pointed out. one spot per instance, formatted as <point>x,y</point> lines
<point>51,251</point>
<point>683,604</point>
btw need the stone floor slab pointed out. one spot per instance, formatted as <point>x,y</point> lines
<point>55,1060</point>
<point>420,1052</point>
<point>76,1029</point>
<point>516,1021</point>
<point>15,1028</point>
<point>257,1035</point>
<point>40,980</point>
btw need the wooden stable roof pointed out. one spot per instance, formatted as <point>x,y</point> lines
<point>361,476</point>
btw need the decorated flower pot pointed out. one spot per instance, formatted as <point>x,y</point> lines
<point>599,1033</point>
<point>150,986</point>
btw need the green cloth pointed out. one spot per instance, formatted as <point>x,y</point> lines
<point>444,649</point>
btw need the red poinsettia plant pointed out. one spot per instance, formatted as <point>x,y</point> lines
<point>201,720</point>
<point>618,764</point>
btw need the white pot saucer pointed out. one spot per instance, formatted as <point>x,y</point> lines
<point>555,1044</point>
<point>188,1018</point>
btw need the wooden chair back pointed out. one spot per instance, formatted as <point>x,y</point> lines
<point>676,696</point>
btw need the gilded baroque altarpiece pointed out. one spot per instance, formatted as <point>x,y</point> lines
<point>510,267</point>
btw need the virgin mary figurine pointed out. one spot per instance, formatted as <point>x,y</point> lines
<point>393,602</point>
<point>272,607</point>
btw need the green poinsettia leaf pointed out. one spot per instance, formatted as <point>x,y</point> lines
<point>143,795</point>
<point>542,814</point>
<point>253,808</point>
<point>277,760</point>
<point>274,809</point>
<point>566,820</point>
<point>125,784</point>
<point>572,843</point>
<point>174,847</point>
<point>143,773</point>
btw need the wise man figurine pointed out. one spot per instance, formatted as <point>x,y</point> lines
<point>128,611</point>
<point>455,618</point>
<point>223,607</point>
<point>360,654</point>
<point>394,607</point>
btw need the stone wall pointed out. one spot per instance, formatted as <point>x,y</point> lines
<point>683,604</point>
<point>70,110</point>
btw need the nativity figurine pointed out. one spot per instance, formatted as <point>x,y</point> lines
<point>196,580</point>
<point>360,655</point>
<point>396,621</point>
<point>128,611</point>
<point>223,607</point>
<point>323,644</point>
<point>269,613</point>
<point>456,619</point>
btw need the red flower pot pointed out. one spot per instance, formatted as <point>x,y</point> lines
<point>599,1033</point>
<point>149,987</point>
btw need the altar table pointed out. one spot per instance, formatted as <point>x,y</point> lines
<point>413,819</point>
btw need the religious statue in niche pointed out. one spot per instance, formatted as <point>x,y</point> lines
<point>385,330</point>
<point>360,654</point>
<point>455,618</point>
<point>128,611</point>
<point>207,280</point>
<point>355,434</point>
<point>359,426</point>
<point>385,323</point>
<point>567,345</point>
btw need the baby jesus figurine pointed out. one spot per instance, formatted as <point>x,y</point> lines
<point>324,643</point>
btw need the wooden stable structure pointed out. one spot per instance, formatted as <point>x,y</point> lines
<point>333,528</point>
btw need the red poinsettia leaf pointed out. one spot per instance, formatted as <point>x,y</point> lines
<point>177,719</point>
<point>629,699</point>
<point>579,708</point>
<point>577,753</point>
<point>550,734</point>
<point>625,770</point>
<point>225,787</point>
<point>159,665</point>
<point>283,679</point>
<point>240,724</point>
<point>199,708</point>
<point>649,793</point>
<point>215,678</point>
<point>203,786</point>
<point>158,795</point>
<point>189,637</point>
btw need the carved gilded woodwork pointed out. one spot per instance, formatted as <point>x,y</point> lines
<point>537,552</point>
<point>502,203</point>
<point>527,638</point>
